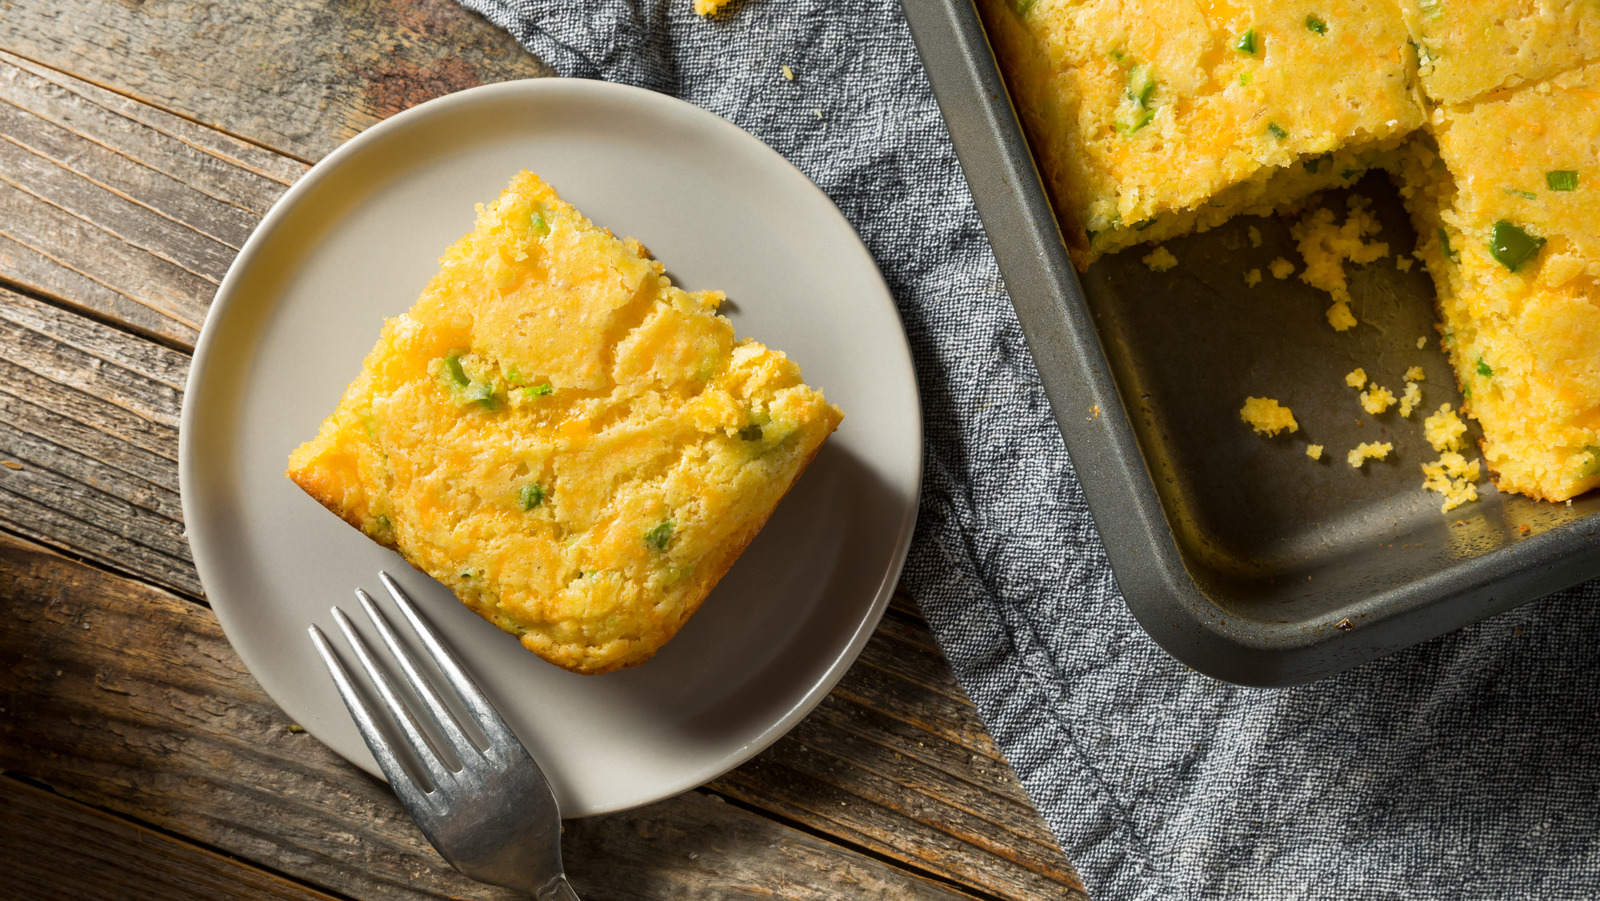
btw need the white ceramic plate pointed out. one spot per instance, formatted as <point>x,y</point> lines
<point>356,240</point>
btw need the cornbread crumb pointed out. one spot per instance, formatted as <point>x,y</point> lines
<point>1357,378</point>
<point>1281,268</point>
<point>788,74</point>
<point>1255,236</point>
<point>1314,451</point>
<point>1444,430</point>
<point>1422,342</point>
<point>1415,374</point>
<point>1252,278</point>
<point>708,7</point>
<point>1452,476</point>
<point>1376,399</point>
<point>1402,263</point>
<point>1267,416</point>
<point>1369,450</point>
<point>1326,247</point>
<point>1160,259</point>
<point>1410,399</point>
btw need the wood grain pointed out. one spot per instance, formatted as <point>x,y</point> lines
<point>129,698</point>
<point>301,76</point>
<point>119,208</point>
<point>43,835</point>
<point>118,216</point>
<point>89,441</point>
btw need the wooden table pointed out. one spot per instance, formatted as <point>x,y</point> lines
<point>140,142</point>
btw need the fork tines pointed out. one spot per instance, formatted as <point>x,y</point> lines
<point>501,741</point>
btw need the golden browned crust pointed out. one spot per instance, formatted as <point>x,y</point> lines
<point>577,448</point>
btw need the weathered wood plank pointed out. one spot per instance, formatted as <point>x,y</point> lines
<point>162,139</point>
<point>59,850</point>
<point>301,76</point>
<point>57,254</point>
<point>89,441</point>
<point>120,208</point>
<point>79,194</point>
<point>140,184</point>
<point>127,698</point>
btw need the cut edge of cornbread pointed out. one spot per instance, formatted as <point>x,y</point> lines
<point>576,447</point>
<point>1270,191</point>
<point>1507,385</point>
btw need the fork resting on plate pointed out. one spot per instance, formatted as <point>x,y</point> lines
<point>492,814</point>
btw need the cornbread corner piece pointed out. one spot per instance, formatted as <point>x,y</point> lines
<point>1466,48</point>
<point>576,447</point>
<point>1267,416</point>
<point>1506,208</point>
<point>1154,118</point>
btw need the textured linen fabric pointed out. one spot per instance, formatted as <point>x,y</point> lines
<point>1466,768</point>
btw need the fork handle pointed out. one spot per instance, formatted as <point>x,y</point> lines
<point>558,889</point>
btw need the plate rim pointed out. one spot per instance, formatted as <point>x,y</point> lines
<point>305,190</point>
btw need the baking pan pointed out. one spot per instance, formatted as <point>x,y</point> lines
<point>1241,556</point>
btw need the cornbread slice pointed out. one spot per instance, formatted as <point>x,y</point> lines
<point>1509,226</point>
<point>575,446</point>
<point>1153,118</point>
<point>1466,48</point>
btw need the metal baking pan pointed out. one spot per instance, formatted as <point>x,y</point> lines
<point>1240,555</point>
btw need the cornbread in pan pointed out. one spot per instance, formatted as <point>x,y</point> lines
<point>578,448</point>
<point>1466,48</point>
<point>1152,119</point>
<point>1509,223</point>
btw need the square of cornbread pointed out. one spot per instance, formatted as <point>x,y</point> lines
<point>578,448</point>
<point>1466,48</point>
<point>1153,118</point>
<point>1508,215</point>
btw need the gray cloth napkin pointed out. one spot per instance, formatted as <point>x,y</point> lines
<point>1468,767</point>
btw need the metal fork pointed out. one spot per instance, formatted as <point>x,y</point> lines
<point>495,818</point>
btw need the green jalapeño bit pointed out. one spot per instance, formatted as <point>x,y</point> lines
<point>452,368</point>
<point>659,536</point>
<point>531,495</point>
<point>1562,180</point>
<point>1247,43</point>
<point>1444,247</point>
<point>1317,25</point>
<point>1512,246</point>
<point>1141,85</point>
